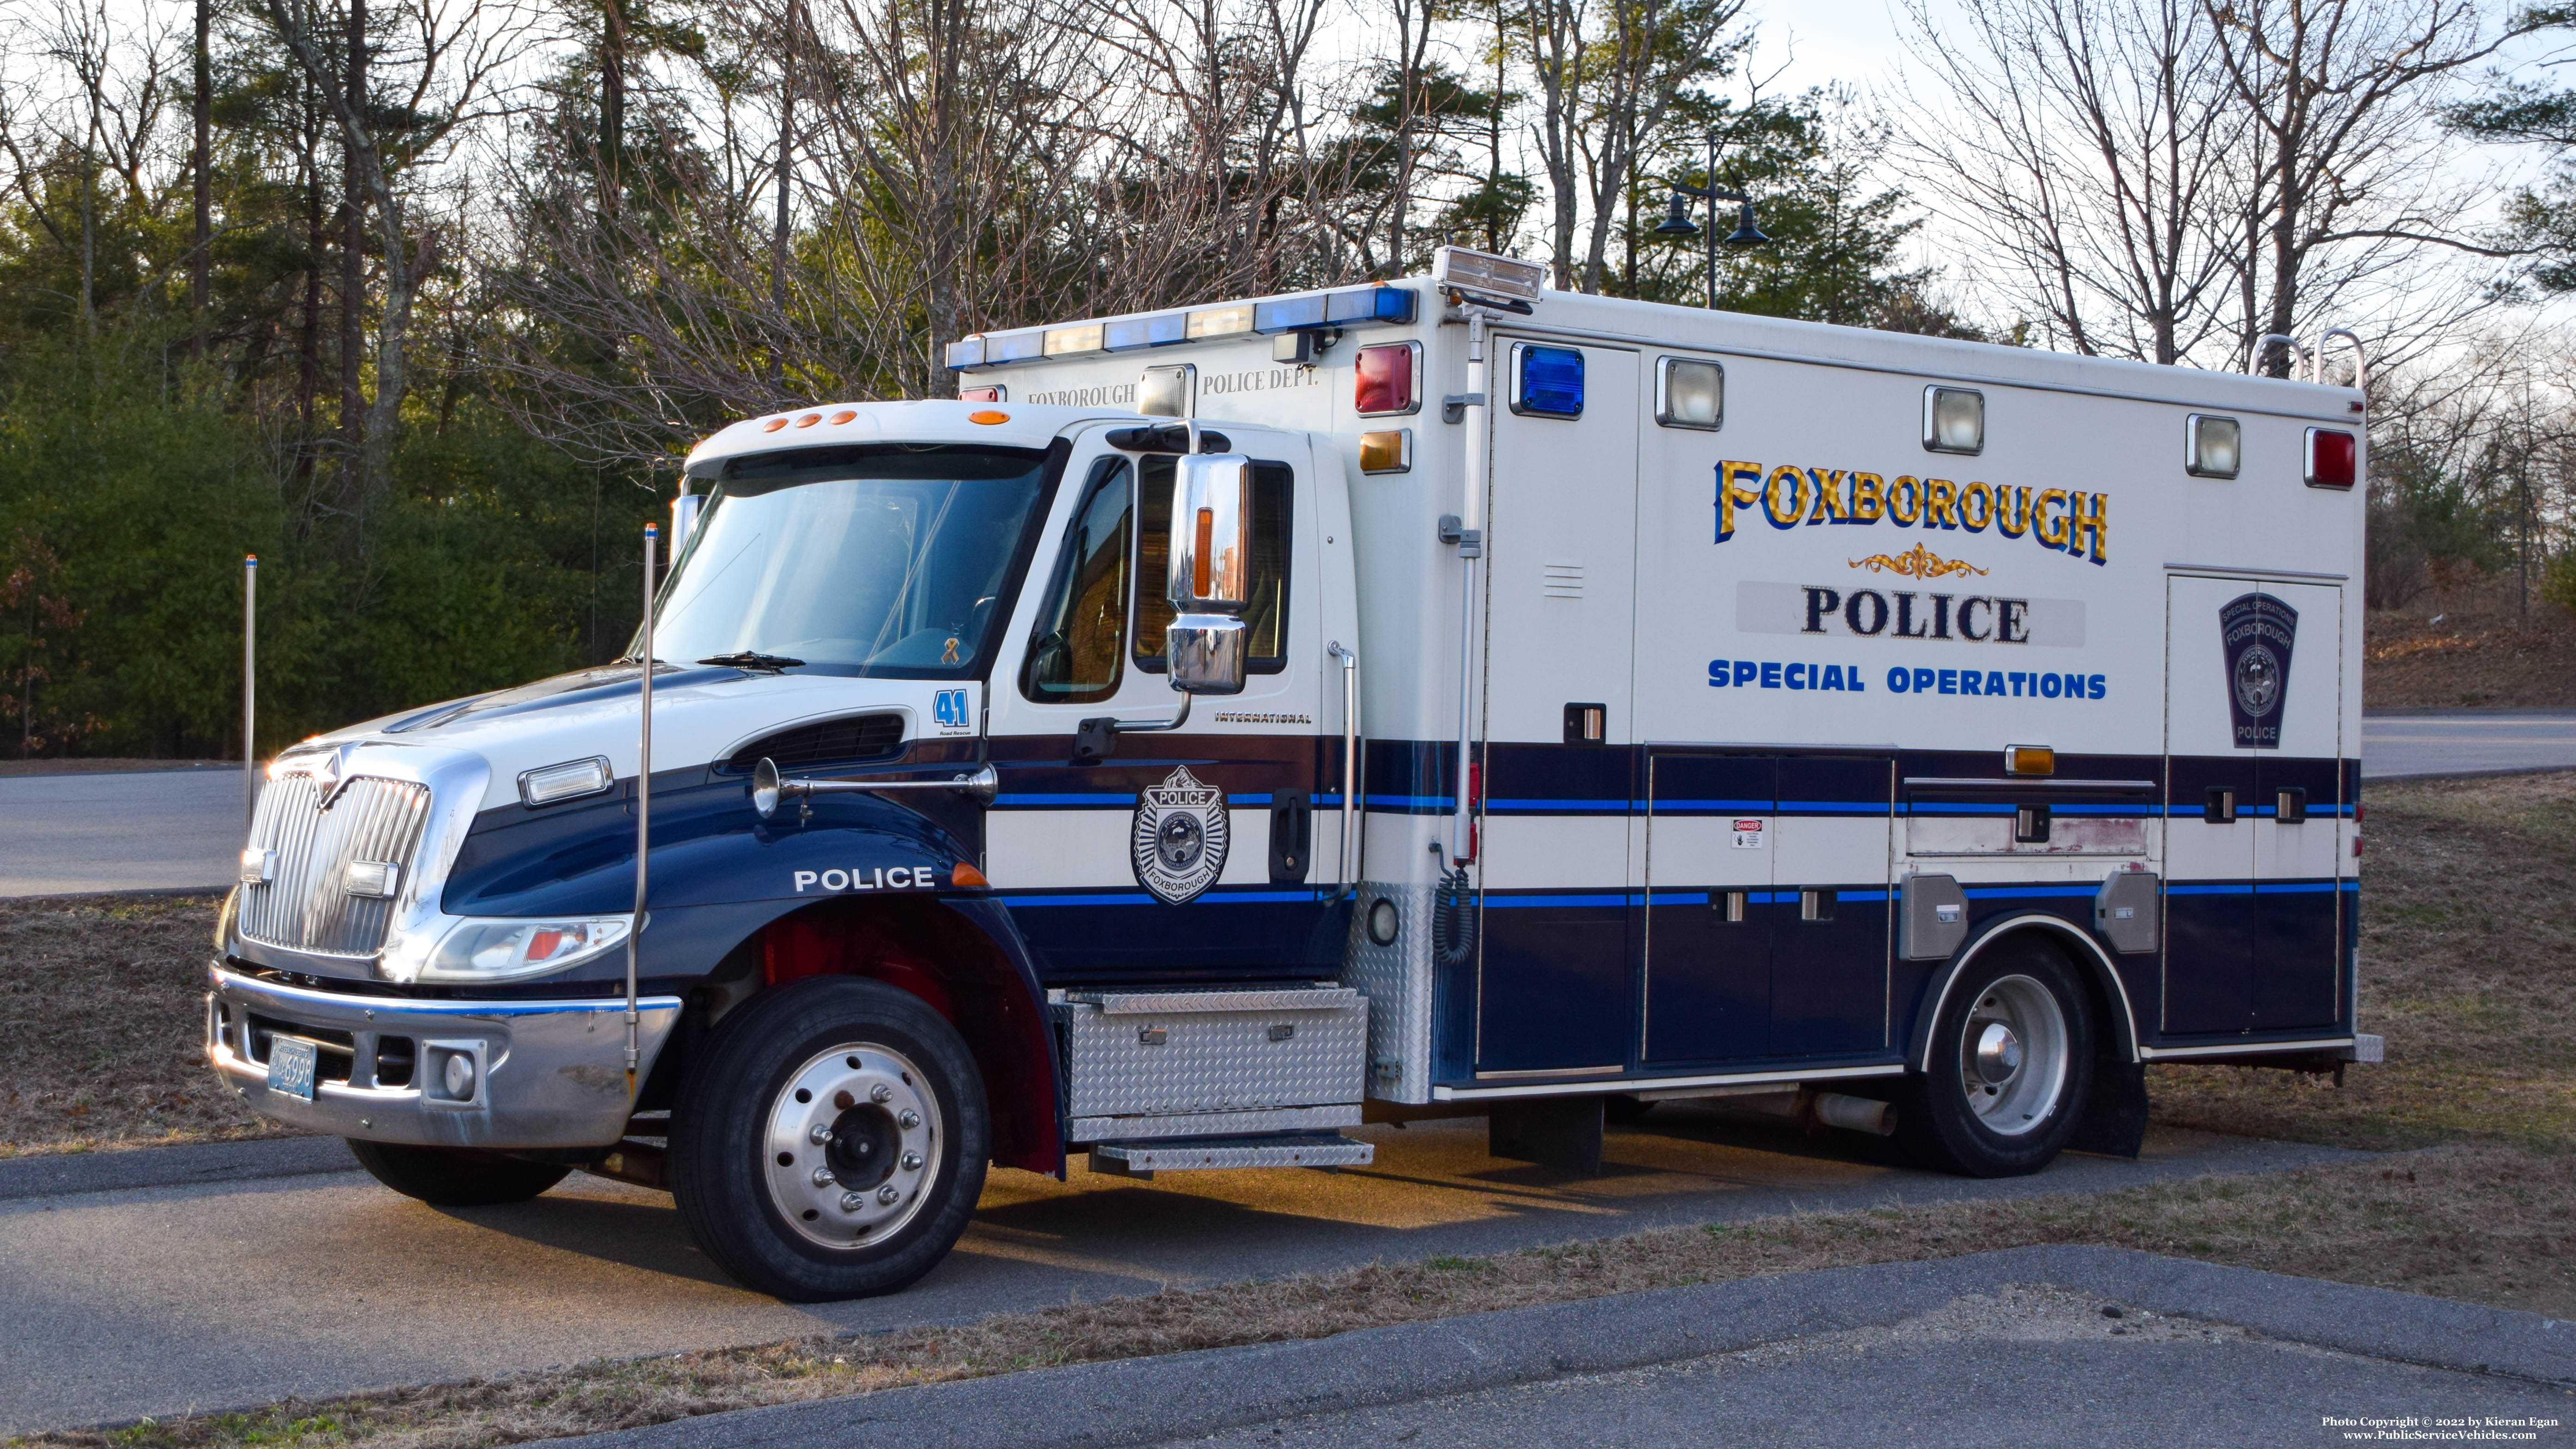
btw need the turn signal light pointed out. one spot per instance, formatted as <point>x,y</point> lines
<point>966,877</point>
<point>2030,760</point>
<point>1387,452</point>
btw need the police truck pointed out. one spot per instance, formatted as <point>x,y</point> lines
<point>1220,727</point>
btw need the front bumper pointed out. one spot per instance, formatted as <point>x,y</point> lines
<point>545,1073</point>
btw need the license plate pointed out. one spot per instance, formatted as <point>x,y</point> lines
<point>290,1068</point>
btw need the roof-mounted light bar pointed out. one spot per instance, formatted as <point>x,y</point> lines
<point>1310,311</point>
<point>1486,275</point>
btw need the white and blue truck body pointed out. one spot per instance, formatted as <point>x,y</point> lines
<point>1613,702</point>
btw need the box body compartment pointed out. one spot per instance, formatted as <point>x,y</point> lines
<point>1196,1063</point>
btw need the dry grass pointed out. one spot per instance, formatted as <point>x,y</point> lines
<point>2468,970</point>
<point>102,1026</point>
<point>2468,967</point>
<point>2485,650</point>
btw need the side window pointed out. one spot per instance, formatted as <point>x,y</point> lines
<point>1267,618</point>
<point>1075,651</point>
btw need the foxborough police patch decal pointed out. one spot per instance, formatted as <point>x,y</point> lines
<point>1180,838</point>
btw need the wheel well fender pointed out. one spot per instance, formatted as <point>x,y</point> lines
<point>963,958</point>
<point>2092,966</point>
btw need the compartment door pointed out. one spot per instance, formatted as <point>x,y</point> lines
<point>1709,915</point>
<point>1829,947</point>
<point>1555,989</point>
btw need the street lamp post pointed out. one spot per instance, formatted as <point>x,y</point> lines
<point>1677,222</point>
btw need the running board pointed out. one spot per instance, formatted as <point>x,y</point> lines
<point>1144,1159</point>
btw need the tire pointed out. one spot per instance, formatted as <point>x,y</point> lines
<point>830,1141</point>
<point>2012,1063</point>
<point>455,1176</point>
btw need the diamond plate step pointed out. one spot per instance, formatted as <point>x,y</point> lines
<point>1144,1159</point>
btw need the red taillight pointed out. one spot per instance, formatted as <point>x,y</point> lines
<point>979,394</point>
<point>2333,456</point>
<point>1384,380</point>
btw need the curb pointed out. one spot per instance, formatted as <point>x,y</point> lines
<point>62,1174</point>
<point>1152,1400</point>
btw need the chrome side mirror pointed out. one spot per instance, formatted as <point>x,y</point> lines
<point>1210,580</point>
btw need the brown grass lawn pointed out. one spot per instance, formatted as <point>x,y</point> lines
<point>2474,643</point>
<point>102,1026</point>
<point>2467,969</point>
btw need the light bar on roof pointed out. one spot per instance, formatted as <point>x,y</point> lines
<point>1131,334</point>
<point>1305,312</point>
<point>1487,274</point>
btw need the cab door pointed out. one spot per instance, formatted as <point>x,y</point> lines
<point>1182,853</point>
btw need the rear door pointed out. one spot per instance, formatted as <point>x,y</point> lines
<point>1184,851</point>
<point>2253,700</point>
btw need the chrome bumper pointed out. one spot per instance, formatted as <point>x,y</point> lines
<point>544,1073</point>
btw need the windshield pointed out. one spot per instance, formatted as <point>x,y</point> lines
<point>886,561</point>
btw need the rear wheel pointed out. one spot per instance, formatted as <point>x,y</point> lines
<point>2012,1061</point>
<point>454,1176</point>
<point>831,1141</point>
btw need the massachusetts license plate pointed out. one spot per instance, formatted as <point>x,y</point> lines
<point>290,1068</point>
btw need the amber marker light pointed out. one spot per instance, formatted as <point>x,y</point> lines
<point>1386,452</point>
<point>988,417</point>
<point>809,420</point>
<point>2030,760</point>
<point>967,877</point>
<point>843,416</point>
<point>773,425</point>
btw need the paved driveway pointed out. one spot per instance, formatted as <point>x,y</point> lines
<point>118,1304</point>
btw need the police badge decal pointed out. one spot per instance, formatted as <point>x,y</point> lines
<point>1179,843</point>
<point>2256,632</point>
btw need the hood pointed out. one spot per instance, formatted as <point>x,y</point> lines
<point>700,716</point>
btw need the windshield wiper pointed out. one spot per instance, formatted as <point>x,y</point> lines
<point>754,659</point>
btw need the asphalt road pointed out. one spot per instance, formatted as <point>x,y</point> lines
<point>2039,1345</point>
<point>166,830</point>
<point>119,1304</point>
<point>129,831</point>
<point>2394,746</point>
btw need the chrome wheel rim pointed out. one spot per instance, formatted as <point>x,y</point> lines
<point>854,1144</point>
<point>2012,1055</point>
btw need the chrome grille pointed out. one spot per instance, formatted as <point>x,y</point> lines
<point>306,905</point>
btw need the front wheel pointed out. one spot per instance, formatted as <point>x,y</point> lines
<point>830,1143</point>
<point>2012,1062</point>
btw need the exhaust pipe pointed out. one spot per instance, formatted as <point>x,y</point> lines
<point>1855,1114</point>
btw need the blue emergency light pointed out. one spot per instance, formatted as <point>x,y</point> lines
<point>1551,382</point>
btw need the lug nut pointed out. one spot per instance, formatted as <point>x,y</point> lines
<point>853,1201</point>
<point>889,1195</point>
<point>907,1119</point>
<point>821,1134</point>
<point>880,1093</point>
<point>823,1177</point>
<point>912,1162</point>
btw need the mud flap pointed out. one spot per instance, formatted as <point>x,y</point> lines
<point>2115,1120</point>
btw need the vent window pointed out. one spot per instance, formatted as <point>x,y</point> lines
<point>833,741</point>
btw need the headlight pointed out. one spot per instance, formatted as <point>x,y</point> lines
<point>508,948</point>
